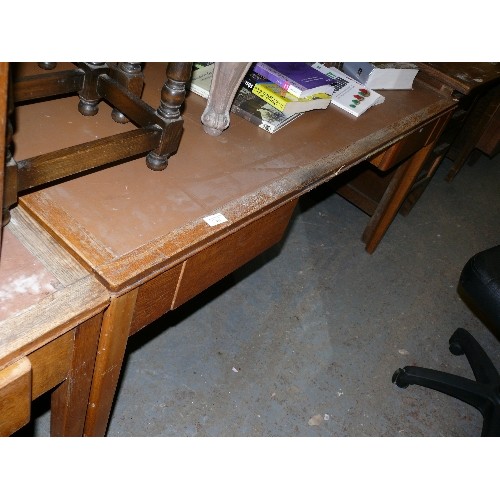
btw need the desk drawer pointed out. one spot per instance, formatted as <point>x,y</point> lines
<point>230,253</point>
<point>155,298</point>
<point>406,146</point>
<point>15,396</point>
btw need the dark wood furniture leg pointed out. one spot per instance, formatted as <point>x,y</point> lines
<point>128,74</point>
<point>173,94</point>
<point>158,134</point>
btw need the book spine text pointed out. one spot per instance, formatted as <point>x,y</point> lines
<point>269,97</point>
<point>278,78</point>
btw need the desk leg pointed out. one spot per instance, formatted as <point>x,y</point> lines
<point>393,198</point>
<point>110,353</point>
<point>398,189</point>
<point>69,400</point>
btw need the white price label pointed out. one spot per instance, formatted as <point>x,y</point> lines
<point>215,219</point>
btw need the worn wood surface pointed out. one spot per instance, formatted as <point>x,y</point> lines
<point>50,317</point>
<point>136,228</point>
<point>69,401</point>
<point>463,77</point>
<point>243,173</point>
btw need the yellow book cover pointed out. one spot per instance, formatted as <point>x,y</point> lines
<point>288,103</point>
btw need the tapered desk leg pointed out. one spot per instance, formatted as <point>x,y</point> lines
<point>393,198</point>
<point>398,189</point>
<point>69,401</point>
<point>110,353</point>
<point>225,82</point>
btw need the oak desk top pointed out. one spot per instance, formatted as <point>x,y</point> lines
<point>128,223</point>
<point>464,77</point>
<point>43,291</point>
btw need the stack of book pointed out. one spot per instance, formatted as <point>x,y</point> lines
<point>273,94</point>
<point>246,104</point>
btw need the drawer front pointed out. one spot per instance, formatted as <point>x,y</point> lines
<point>406,146</point>
<point>15,396</point>
<point>230,253</point>
<point>51,363</point>
<point>155,298</point>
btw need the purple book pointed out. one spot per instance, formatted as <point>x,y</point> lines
<point>298,78</point>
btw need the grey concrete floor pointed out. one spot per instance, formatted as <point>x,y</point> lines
<point>303,341</point>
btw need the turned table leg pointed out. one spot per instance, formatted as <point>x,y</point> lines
<point>130,75</point>
<point>173,94</point>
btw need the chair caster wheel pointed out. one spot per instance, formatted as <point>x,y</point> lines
<point>455,349</point>
<point>397,378</point>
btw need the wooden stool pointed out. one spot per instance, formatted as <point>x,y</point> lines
<point>158,131</point>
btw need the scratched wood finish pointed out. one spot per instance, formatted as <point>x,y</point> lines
<point>302,158</point>
<point>69,401</point>
<point>462,77</point>
<point>57,334</point>
<point>155,298</point>
<point>249,176</point>
<point>115,331</point>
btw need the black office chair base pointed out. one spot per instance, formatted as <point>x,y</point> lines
<point>482,393</point>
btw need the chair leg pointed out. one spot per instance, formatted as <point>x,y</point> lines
<point>469,391</point>
<point>482,393</point>
<point>462,342</point>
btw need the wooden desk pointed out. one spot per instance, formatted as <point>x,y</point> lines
<point>472,86</point>
<point>143,233</point>
<point>50,318</point>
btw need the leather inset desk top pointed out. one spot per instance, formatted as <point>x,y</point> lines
<point>107,216</point>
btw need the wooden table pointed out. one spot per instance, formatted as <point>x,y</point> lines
<point>50,318</point>
<point>474,87</point>
<point>143,233</point>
